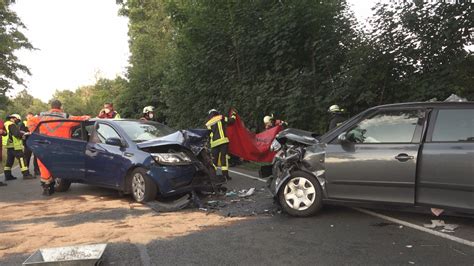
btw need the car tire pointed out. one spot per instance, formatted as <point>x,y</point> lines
<point>61,185</point>
<point>301,195</point>
<point>142,186</point>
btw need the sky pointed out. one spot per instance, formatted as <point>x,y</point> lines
<point>80,40</point>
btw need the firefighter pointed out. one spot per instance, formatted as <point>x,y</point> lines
<point>28,154</point>
<point>217,124</point>
<point>13,141</point>
<point>148,113</point>
<point>271,122</point>
<point>337,116</point>
<point>108,112</point>
<point>2,133</point>
<point>60,129</point>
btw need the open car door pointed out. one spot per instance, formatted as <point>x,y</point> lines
<point>63,154</point>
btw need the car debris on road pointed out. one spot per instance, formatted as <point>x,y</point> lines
<point>447,228</point>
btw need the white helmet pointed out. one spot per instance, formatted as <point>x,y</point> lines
<point>334,108</point>
<point>213,111</point>
<point>148,109</point>
<point>267,119</point>
<point>17,116</point>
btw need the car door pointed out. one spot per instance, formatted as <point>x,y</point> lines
<point>106,164</point>
<point>378,160</point>
<point>64,157</point>
<point>446,175</point>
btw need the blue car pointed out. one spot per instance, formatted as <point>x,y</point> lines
<point>142,158</point>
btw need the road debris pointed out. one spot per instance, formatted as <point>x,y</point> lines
<point>409,246</point>
<point>246,193</point>
<point>175,205</point>
<point>437,212</point>
<point>231,194</point>
<point>447,228</point>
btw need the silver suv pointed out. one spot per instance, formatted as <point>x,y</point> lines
<point>411,154</point>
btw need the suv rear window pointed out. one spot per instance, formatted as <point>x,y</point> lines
<point>455,125</point>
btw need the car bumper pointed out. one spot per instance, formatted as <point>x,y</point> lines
<point>176,179</point>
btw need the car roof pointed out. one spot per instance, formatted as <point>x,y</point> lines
<point>426,105</point>
<point>115,120</point>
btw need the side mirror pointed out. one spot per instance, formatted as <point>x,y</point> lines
<point>344,138</point>
<point>115,142</point>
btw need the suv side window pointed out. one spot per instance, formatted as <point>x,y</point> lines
<point>390,126</point>
<point>455,125</point>
<point>105,132</point>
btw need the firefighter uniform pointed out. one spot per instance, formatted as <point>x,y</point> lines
<point>14,143</point>
<point>219,142</point>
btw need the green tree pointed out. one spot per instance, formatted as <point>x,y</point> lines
<point>24,103</point>
<point>11,40</point>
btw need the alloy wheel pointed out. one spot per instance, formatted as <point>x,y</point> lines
<point>138,186</point>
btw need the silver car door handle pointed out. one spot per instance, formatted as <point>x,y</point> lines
<point>403,157</point>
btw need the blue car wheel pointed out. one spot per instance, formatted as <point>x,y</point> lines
<point>143,188</point>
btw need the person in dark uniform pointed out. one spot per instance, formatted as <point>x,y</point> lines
<point>337,116</point>
<point>217,124</point>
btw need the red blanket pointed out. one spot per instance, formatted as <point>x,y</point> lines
<point>248,145</point>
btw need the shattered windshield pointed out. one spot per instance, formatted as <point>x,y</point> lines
<point>140,131</point>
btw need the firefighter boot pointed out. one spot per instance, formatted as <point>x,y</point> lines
<point>27,175</point>
<point>8,175</point>
<point>225,173</point>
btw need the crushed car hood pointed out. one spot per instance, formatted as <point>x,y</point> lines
<point>297,135</point>
<point>193,139</point>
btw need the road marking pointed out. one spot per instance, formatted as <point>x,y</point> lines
<point>249,176</point>
<point>417,227</point>
<point>393,220</point>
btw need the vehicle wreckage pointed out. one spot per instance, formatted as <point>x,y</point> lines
<point>407,155</point>
<point>146,159</point>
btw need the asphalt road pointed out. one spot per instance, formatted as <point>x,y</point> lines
<point>337,236</point>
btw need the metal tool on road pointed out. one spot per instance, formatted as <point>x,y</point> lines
<point>73,255</point>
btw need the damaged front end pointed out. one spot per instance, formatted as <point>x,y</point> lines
<point>298,150</point>
<point>182,162</point>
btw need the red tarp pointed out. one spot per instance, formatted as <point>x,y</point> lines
<point>248,145</point>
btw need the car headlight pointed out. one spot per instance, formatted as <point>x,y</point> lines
<point>172,158</point>
<point>276,146</point>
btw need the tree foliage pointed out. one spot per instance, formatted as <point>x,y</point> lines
<point>88,100</point>
<point>291,58</point>
<point>22,104</point>
<point>11,40</point>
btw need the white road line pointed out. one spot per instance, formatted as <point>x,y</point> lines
<point>249,176</point>
<point>393,220</point>
<point>417,227</point>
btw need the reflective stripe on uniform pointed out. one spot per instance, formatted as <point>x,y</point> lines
<point>219,142</point>
<point>23,166</point>
<point>221,130</point>
<point>46,116</point>
<point>213,120</point>
<point>10,141</point>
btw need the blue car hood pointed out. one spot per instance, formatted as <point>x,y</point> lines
<point>193,139</point>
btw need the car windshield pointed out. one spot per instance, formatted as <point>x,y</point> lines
<point>140,131</point>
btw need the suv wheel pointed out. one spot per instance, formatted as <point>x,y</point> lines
<point>301,195</point>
